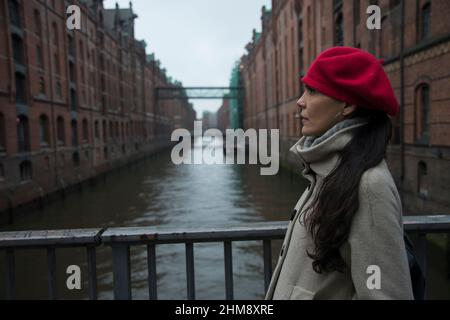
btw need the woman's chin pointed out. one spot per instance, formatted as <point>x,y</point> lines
<point>306,132</point>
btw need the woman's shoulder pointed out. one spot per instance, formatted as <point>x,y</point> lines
<point>378,178</point>
<point>379,194</point>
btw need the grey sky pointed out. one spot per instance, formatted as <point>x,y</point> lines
<point>197,41</point>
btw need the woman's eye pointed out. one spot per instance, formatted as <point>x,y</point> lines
<point>310,90</point>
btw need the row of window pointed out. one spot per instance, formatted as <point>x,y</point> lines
<point>87,77</point>
<point>18,54</point>
<point>26,167</point>
<point>424,21</point>
<point>115,130</point>
<point>26,171</point>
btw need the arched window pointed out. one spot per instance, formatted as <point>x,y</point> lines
<point>105,153</point>
<point>111,130</point>
<point>37,22</point>
<point>55,33</point>
<point>21,96</point>
<point>17,45</point>
<point>60,130</point>
<point>2,133</point>
<point>73,99</point>
<point>422,112</point>
<point>421,180</point>
<point>96,129</point>
<point>100,18</point>
<point>41,85</point>
<point>76,159</point>
<point>383,40</point>
<point>338,23</point>
<point>85,131</point>
<point>357,11</point>
<point>39,59</point>
<point>47,163</point>
<point>425,21</point>
<point>44,130</point>
<point>62,160</point>
<point>74,129</point>
<point>71,71</point>
<point>26,171</point>
<point>339,30</point>
<point>105,131</point>
<point>23,134</point>
<point>14,13</point>
<point>57,66</point>
<point>309,36</point>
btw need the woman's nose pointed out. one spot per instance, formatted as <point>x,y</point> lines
<point>301,102</point>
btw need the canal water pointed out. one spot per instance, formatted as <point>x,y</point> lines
<point>155,192</point>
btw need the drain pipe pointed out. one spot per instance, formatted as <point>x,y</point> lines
<point>402,100</point>
<point>52,106</point>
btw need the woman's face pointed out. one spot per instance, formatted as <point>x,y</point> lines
<point>319,112</point>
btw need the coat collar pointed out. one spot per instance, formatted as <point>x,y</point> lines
<point>323,157</point>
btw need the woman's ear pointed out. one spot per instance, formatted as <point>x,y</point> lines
<point>349,109</point>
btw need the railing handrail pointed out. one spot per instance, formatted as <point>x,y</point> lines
<point>121,239</point>
<point>50,238</point>
<point>164,234</point>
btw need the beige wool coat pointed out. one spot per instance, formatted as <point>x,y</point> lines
<point>375,239</point>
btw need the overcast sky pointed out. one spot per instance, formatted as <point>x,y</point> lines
<point>197,41</point>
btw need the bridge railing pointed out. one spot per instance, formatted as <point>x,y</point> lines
<point>122,239</point>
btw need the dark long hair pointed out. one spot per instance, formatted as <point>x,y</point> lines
<point>331,212</point>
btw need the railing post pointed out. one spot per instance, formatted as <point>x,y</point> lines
<point>422,251</point>
<point>190,273</point>
<point>229,295</point>
<point>267,248</point>
<point>10,275</point>
<point>51,265</point>
<point>121,271</point>
<point>92,272</point>
<point>151,264</point>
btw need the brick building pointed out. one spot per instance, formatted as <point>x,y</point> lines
<point>414,40</point>
<point>77,103</point>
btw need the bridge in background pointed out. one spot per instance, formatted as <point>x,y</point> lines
<point>227,93</point>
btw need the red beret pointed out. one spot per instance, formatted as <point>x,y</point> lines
<point>353,76</point>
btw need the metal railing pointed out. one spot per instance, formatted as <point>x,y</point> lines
<point>121,239</point>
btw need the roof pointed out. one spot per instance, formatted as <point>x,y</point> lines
<point>113,18</point>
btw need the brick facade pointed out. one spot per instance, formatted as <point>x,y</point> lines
<point>294,32</point>
<point>74,104</point>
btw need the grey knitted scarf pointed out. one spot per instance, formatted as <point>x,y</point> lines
<point>311,141</point>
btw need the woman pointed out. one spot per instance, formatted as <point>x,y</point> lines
<point>345,238</point>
